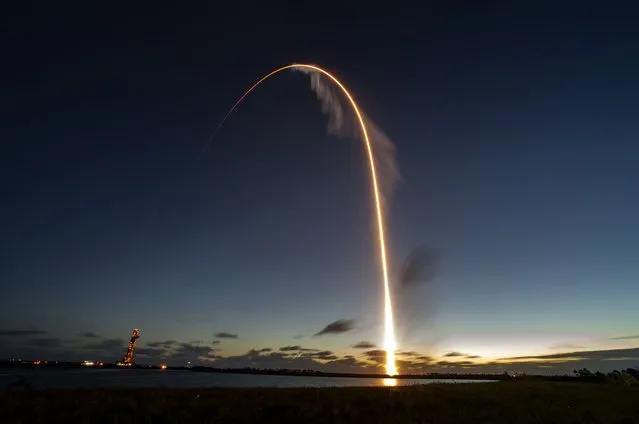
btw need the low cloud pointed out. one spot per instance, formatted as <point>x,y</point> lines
<point>297,348</point>
<point>21,333</point>
<point>177,352</point>
<point>454,354</point>
<point>49,342</point>
<point>106,345</point>
<point>325,361</point>
<point>290,348</point>
<point>364,345</point>
<point>150,351</point>
<point>364,358</point>
<point>337,327</point>
<point>225,335</point>
<point>194,351</point>
<point>376,355</point>
<point>325,355</point>
<point>565,346</point>
<point>582,355</point>
<point>165,344</point>
<point>631,337</point>
<point>455,364</point>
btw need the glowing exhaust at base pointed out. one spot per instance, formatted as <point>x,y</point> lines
<point>390,344</point>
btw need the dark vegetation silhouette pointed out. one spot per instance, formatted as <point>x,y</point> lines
<point>526,402</point>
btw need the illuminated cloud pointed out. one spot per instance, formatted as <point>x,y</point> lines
<point>27,344</point>
<point>376,355</point>
<point>337,327</point>
<point>455,364</point>
<point>325,361</point>
<point>411,353</point>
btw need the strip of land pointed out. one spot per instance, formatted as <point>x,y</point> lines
<point>503,402</point>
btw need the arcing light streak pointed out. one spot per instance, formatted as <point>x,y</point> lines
<point>389,331</point>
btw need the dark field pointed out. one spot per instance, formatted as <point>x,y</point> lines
<point>505,402</point>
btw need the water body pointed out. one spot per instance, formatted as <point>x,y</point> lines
<point>114,378</point>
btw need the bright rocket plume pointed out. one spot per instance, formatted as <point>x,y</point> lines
<point>381,159</point>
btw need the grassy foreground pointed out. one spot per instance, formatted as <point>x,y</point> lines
<point>493,403</point>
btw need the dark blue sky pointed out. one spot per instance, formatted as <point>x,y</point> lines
<point>516,132</point>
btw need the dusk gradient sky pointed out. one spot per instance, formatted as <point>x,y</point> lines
<point>517,136</point>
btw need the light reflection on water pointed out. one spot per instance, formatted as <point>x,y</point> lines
<point>182,379</point>
<point>390,382</point>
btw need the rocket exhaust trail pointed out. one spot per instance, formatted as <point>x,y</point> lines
<point>390,344</point>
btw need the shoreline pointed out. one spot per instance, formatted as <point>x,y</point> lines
<point>274,372</point>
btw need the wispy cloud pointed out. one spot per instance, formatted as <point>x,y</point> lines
<point>455,364</point>
<point>21,333</point>
<point>89,335</point>
<point>54,342</point>
<point>297,348</point>
<point>165,344</point>
<point>454,354</point>
<point>631,337</point>
<point>337,327</point>
<point>580,355</point>
<point>364,345</point>
<point>565,346</point>
<point>106,345</point>
<point>225,335</point>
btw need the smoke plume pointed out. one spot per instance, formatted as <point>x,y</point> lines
<point>343,122</point>
<point>416,296</point>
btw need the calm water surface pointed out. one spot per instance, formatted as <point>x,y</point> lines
<point>80,378</point>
